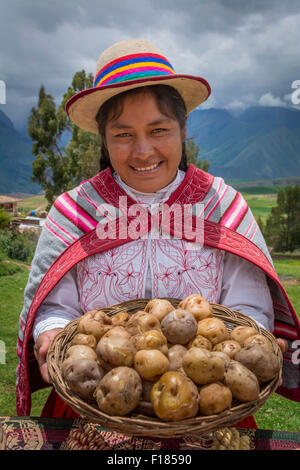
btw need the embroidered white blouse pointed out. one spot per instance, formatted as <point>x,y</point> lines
<point>155,267</point>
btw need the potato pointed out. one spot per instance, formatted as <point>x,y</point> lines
<point>198,306</point>
<point>80,351</point>
<point>159,308</point>
<point>146,393</point>
<point>116,350</point>
<point>229,347</point>
<point>213,329</point>
<point>179,326</point>
<point>214,398</point>
<point>152,339</point>
<point>259,339</point>
<point>119,391</point>
<point>150,364</point>
<point>120,319</point>
<point>174,397</point>
<point>85,340</point>
<point>119,331</point>
<point>200,342</point>
<point>223,356</point>
<point>140,322</point>
<point>95,323</point>
<point>241,381</point>
<point>82,376</point>
<point>176,354</point>
<point>260,360</point>
<point>203,366</point>
<point>241,333</point>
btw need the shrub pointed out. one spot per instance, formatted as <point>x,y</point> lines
<point>18,246</point>
<point>5,239</point>
<point>21,248</point>
<point>4,219</point>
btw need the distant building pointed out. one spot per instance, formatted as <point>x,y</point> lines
<point>9,204</point>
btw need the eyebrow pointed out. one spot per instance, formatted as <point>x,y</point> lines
<point>120,125</point>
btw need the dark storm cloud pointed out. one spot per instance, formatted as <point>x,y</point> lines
<point>247,50</point>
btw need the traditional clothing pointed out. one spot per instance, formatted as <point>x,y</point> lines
<point>71,237</point>
<point>154,267</point>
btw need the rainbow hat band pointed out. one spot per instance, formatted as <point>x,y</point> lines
<point>131,64</point>
<point>132,67</point>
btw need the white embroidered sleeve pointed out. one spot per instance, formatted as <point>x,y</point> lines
<point>245,289</point>
<point>60,307</point>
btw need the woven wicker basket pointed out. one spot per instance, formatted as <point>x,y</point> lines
<point>141,425</point>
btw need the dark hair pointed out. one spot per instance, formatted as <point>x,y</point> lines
<point>169,102</point>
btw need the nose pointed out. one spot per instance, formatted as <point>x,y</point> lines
<point>142,146</point>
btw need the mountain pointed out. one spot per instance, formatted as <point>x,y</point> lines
<point>262,142</point>
<point>15,160</point>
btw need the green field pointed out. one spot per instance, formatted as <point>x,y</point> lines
<point>32,203</point>
<point>260,204</point>
<point>277,413</point>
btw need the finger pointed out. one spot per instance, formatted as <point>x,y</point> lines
<point>37,355</point>
<point>36,351</point>
<point>44,372</point>
<point>44,347</point>
<point>279,384</point>
<point>283,344</point>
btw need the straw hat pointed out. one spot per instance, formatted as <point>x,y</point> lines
<point>131,64</point>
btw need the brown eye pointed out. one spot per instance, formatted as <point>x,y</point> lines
<point>159,130</point>
<point>122,135</point>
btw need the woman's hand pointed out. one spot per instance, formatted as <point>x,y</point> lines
<point>41,348</point>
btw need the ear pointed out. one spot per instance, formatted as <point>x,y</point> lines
<point>184,132</point>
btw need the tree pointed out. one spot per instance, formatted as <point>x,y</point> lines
<point>55,167</point>
<point>192,154</point>
<point>45,129</point>
<point>84,147</point>
<point>282,228</point>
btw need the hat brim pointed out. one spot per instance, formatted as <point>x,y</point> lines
<point>83,107</point>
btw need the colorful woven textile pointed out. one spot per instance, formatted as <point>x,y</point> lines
<point>52,434</point>
<point>131,67</point>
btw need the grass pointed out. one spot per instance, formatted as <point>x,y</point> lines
<point>262,182</point>
<point>260,204</point>
<point>289,271</point>
<point>32,203</point>
<point>259,190</point>
<point>277,413</point>
<point>11,302</point>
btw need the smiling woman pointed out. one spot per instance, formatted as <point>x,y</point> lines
<point>139,105</point>
<point>144,144</point>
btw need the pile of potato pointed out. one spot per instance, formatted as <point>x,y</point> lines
<point>184,362</point>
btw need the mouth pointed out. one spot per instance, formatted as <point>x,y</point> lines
<point>147,169</point>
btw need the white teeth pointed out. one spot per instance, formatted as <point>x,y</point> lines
<point>147,168</point>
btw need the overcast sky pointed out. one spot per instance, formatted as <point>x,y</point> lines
<point>248,50</point>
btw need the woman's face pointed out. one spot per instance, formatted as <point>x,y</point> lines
<point>144,145</point>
